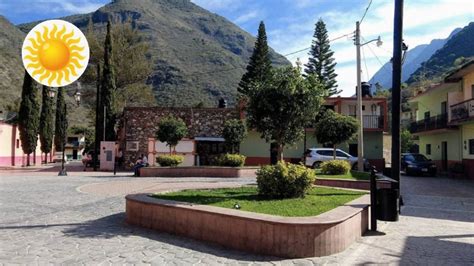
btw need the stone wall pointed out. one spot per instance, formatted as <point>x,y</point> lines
<point>141,123</point>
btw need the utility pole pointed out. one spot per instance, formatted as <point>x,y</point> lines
<point>360,142</point>
<point>396,90</point>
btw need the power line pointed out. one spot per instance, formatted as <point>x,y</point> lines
<point>365,13</point>
<point>285,55</point>
<point>307,48</point>
<point>365,63</point>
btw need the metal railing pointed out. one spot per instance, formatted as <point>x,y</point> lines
<point>431,123</point>
<point>462,111</point>
<point>372,121</point>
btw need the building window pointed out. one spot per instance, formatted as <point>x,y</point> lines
<point>428,149</point>
<point>363,107</point>
<point>471,146</point>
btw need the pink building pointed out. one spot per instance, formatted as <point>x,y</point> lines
<point>11,153</point>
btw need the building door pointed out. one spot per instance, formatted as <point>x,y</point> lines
<point>444,155</point>
<point>353,149</point>
<point>444,108</point>
<point>74,154</point>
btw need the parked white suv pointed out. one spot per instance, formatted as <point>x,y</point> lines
<point>315,156</point>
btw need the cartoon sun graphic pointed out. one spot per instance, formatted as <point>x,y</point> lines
<point>55,53</point>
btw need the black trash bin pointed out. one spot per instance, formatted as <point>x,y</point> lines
<point>387,204</point>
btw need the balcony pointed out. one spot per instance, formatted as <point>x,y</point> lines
<point>428,124</point>
<point>462,111</point>
<point>75,144</point>
<point>372,121</point>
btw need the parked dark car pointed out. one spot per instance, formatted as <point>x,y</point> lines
<point>417,164</point>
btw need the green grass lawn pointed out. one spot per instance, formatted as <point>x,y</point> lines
<point>318,200</point>
<point>353,175</point>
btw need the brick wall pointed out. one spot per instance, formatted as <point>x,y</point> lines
<point>141,123</point>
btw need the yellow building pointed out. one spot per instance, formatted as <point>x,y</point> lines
<point>445,121</point>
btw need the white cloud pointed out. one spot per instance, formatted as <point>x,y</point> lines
<point>424,20</point>
<point>246,17</point>
<point>70,6</point>
<point>218,5</point>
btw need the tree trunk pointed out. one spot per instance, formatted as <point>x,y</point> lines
<point>334,151</point>
<point>280,152</point>
<point>171,150</point>
<point>28,159</point>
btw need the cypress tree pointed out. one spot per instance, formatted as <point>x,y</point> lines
<point>260,65</point>
<point>108,87</point>
<point>28,117</point>
<point>46,123</point>
<point>61,124</point>
<point>321,62</point>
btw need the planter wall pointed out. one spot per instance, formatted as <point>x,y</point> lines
<point>352,184</point>
<point>196,171</point>
<point>287,237</point>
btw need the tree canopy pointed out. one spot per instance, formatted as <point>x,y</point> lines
<point>171,130</point>
<point>46,129</point>
<point>260,65</point>
<point>321,59</point>
<point>333,128</point>
<point>234,132</point>
<point>281,106</point>
<point>61,123</point>
<point>28,117</point>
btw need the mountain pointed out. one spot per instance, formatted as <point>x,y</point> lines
<point>454,52</point>
<point>414,58</point>
<point>198,56</point>
<point>11,67</point>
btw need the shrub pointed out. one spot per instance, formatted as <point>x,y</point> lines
<point>170,160</point>
<point>284,180</point>
<point>335,167</point>
<point>232,160</point>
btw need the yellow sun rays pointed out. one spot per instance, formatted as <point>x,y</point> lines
<point>55,53</point>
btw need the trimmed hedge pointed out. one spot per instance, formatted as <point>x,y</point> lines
<point>232,160</point>
<point>170,160</point>
<point>284,180</point>
<point>335,167</point>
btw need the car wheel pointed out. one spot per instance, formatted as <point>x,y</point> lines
<point>355,167</point>
<point>316,165</point>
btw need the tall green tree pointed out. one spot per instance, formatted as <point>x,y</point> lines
<point>260,65</point>
<point>333,128</point>
<point>171,130</point>
<point>28,117</point>
<point>234,132</point>
<point>108,87</point>
<point>61,123</point>
<point>281,106</point>
<point>46,128</point>
<point>131,61</point>
<point>406,140</point>
<point>321,62</point>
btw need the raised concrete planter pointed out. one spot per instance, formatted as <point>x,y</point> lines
<point>352,184</point>
<point>287,237</point>
<point>198,171</point>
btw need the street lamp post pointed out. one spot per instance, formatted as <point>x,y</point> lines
<point>360,140</point>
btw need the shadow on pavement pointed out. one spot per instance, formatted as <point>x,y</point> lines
<point>440,250</point>
<point>114,225</point>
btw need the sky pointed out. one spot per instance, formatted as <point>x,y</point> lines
<point>290,24</point>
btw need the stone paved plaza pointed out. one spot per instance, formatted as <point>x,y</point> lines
<point>79,219</point>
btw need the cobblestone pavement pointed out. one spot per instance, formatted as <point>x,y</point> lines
<point>79,219</point>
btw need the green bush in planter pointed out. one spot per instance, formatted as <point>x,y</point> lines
<point>232,160</point>
<point>170,160</point>
<point>284,180</point>
<point>335,167</point>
